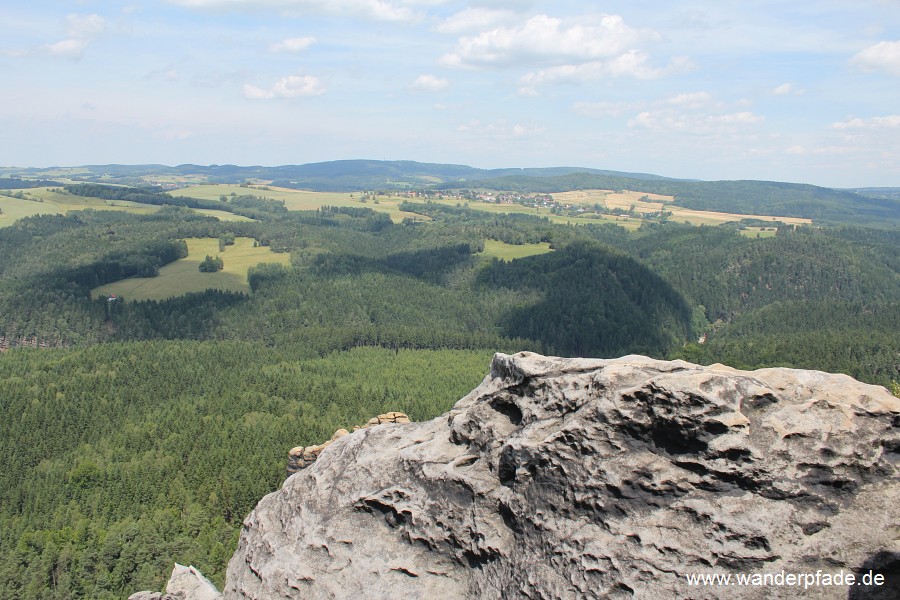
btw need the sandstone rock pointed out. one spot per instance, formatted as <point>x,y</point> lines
<point>185,583</point>
<point>580,478</point>
<point>303,456</point>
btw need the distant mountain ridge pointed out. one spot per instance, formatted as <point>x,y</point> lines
<point>336,175</point>
<point>863,206</point>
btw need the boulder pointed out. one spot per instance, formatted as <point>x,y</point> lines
<point>588,478</point>
<point>301,457</point>
<point>186,583</point>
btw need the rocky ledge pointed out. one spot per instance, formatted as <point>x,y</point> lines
<point>186,583</point>
<point>570,478</point>
<point>303,456</point>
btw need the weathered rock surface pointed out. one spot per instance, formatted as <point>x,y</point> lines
<point>186,583</point>
<point>570,478</point>
<point>303,456</point>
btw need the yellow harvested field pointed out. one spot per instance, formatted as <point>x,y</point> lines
<point>183,276</point>
<point>613,199</point>
<point>648,203</point>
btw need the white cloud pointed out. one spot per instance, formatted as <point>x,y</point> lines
<point>689,113</point>
<point>293,44</point>
<point>70,48</point>
<point>606,109</point>
<point>547,40</point>
<point>474,19</point>
<point>429,83</point>
<point>167,74</point>
<point>380,10</point>
<point>692,100</point>
<point>672,120</point>
<point>783,89</point>
<point>883,56</point>
<point>831,150</point>
<point>886,122</point>
<point>292,86</point>
<point>500,129</point>
<point>81,30</point>
<point>86,26</point>
<point>630,64</point>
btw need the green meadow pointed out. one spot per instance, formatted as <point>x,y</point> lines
<point>302,199</point>
<point>504,251</point>
<point>14,209</point>
<point>47,201</point>
<point>759,232</point>
<point>184,276</point>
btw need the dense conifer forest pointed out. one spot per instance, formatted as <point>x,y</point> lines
<point>138,433</point>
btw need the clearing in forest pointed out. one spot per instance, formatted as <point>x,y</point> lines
<point>504,251</point>
<point>183,276</point>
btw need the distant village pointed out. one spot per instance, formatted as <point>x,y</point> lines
<point>534,200</point>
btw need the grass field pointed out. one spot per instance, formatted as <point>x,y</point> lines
<point>301,199</point>
<point>15,209</point>
<point>504,251</point>
<point>45,201</point>
<point>760,232</point>
<point>184,276</point>
<point>221,214</point>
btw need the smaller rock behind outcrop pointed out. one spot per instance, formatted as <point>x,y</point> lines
<point>303,456</point>
<point>186,583</point>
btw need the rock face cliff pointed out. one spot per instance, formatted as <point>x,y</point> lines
<point>569,478</point>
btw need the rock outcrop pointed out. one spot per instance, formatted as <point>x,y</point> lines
<point>303,456</point>
<point>186,583</point>
<point>570,478</point>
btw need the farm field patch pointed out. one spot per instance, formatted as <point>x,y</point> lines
<point>222,215</point>
<point>491,207</point>
<point>759,232</point>
<point>47,201</point>
<point>184,276</point>
<point>302,199</point>
<point>648,203</point>
<point>504,251</point>
<point>14,209</point>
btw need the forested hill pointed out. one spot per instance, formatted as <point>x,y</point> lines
<point>330,176</point>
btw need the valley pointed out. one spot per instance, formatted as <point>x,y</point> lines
<point>141,431</point>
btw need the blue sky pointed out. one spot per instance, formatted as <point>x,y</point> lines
<point>793,91</point>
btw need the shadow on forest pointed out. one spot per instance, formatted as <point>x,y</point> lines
<point>430,265</point>
<point>193,316</point>
<point>597,302</point>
